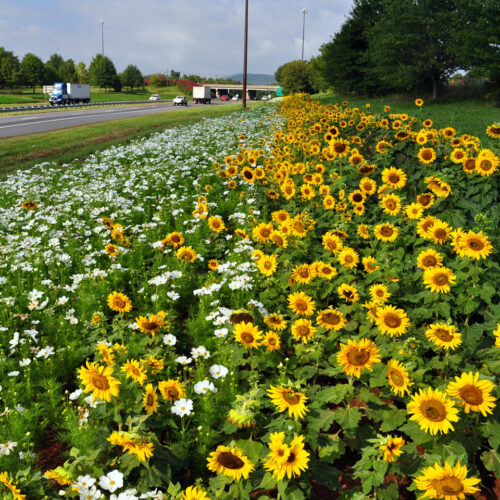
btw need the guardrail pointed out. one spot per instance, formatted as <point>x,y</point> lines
<point>83,105</point>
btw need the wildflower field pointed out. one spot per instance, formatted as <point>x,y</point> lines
<point>295,302</point>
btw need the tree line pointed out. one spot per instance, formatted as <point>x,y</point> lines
<point>409,46</point>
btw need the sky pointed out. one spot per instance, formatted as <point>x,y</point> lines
<point>191,36</point>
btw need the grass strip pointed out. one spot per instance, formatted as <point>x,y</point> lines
<point>64,145</point>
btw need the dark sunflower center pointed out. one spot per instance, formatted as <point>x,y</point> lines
<point>150,326</point>
<point>471,395</point>
<point>443,335</point>
<point>357,198</point>
<point>394,178</point>
<point>247,337</point>
<point>248,174</point>
<point>100,382</point>
<point>299,227</point>
<point>302,330</point>
<point>172,393</point>
<point>392,320</point>
<point>331,318</point>
<point>430,261</point>
<point>348,259</point>
<point>348,294</point>
<point>396,377</point>
<point>475,244</point>
<point>470,164</point>
<point>241,317</point>
<point>390,204</point>
<point>339,147</point>
<point>387,231</point>
<point>358,357</point>
<point>301,305</point>
<point>291,397</point>
<point>291,458</point>
<point>440,234</point>
<point>230,461</point>
<point>441,279</point>
<point>447,486</point>
<point>265,233</point>
<point>433,410</point>
<point>119,303</point>
<point>150,400</point>
<point>304,272</point>
<point>486,165</point>
<point>424,200</point>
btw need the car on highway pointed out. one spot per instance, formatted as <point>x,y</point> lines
<point>155,97</point>
<point>180,100</point>
<point>224,98</point>
<point>235,97</point>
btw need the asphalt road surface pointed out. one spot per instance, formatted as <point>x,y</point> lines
<point>42,122</point>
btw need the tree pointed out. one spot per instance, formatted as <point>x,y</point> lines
<point>9,69</point>
<point>132,77</point>
<point>67,71</point>
<point>158,80</point>
<point>32,69</point>
<point>102,72</point>
<point>175,75</point>
<point>82,73</point>
<point>296,77</point>
<point>317,69</point>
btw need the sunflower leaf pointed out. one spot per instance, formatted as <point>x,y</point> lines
<point>348,418</point>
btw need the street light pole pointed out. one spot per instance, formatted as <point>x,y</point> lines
<point>245,57</point>
<point>303,11</point>
<point>102,36</point>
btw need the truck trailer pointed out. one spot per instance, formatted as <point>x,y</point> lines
<point>202,95</point>
<point>69,93</point>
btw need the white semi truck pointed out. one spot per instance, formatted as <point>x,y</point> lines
<point>202,95</point>
<point>69,93</point>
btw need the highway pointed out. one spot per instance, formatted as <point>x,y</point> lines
<point>16,125</point>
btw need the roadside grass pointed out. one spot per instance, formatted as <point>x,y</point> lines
<point>65,145</point>
<point>24,96</point>
<point>468,116</point>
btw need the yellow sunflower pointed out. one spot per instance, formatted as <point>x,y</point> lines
<point>302,330</point>
<point>153,324</point>
<point>262,232</point>
<point>370,264</point>
<point>275,321</point>
<point>231,462</point>
<point>392,321</point>
<point>216,224</point>
<point>472,393</point>
<point>284,460</point>
<point>268,264</point>
<point>285,398</point>
<point>433,411</point>
<point>487,162</point>
<point>394,177</point>
<point>429,258</point>
<point>326,271</point>
<point>348,257</point>
<point>171,390</point>
<point>98,380</point>
<point>272,341</point>
<point>112,250</point>
<point>439,187</point>
<point>186,254</point>
<point>29,205</point>
<point>304,274</point>
<point>379,292</point>
<point>356,356</point>
<point>150,400</point>
<point>348,292</point>
<point>119,302</point>
<point>438,279</point>
<point>398,378</point>
<point>474,245</point>
<point>392,448</point>
<point>134,370</point>
<point>331,319</point>
<point>425,200</point>
<point>443,335</point>
<point>279,239</point>
<point>386,232</point>
<point>448,482</point>
<point>248,334</point>
<point>414,211</point>
<point>301,304</point>
<point>426,155</point>
<point>332,242</point>
<point>440,232</point>
<point>391,204</point>
<point>194,493</point>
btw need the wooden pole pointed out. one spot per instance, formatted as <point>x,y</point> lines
<point>245,57</point>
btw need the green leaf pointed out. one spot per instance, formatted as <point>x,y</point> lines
<point>470,306</point>
<point>493,433</point>
<point>392,419</point>
<point>334,394</point>
<point>325,474</point>
<point>348,418</point>
<point>444,309</point>
<point>322,422</point>
<point>491,460</point>
<point>487,291</point>
<point>251,448</point>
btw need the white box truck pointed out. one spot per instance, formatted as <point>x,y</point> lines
<point>202,95</point>
<point>70,93</point>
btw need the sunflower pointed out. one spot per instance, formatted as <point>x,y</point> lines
<point>425,200</point>
<point>340,148</point>
<point>443,335</point>
<point>119,302</point>
<point>331,319</point>
<point>153,324</point>
<point>112,250</point>
<point>438,279</point>
<point>398,377</point>
<point>301,304</point>
<point>469,165</point>
<point>424,226</point>
<point>134,370</point>
<point>348,257</point>
<point>433,411</point>
<point>370,264</point>
<point>383,146</point>
<point>194,493</point>
<point>414,211</point>
<point>356,356</point>
<point>386,232</point>
<point>419,102</point>
<point>362,231</point>
<point>248,334</point>
<point>275,321</point>
<point>213,264</point>
<point>458,156</point>
<point>449,483</point>
<point>302,330</point>
<point>268,264</point>
<point>262,232</point>
<point>216,224</point>
<point>357,197</point>
<point>326,271</point>
<point>392,448</point>
<point>231,462</point>
<point>392,321</point>
<point>379,292</point>
<point>280,216</point>
<point>474,245</point>
<point>429,258</point>
<point>332,242</point>
<point>98,379</point>
<point>150,400</point>
<point>394,177</point>
<point>186,254</point>
<point>472,393</point>
<point>272,341</point>
<point>304,274</point>
<point>439,187</point>
<point>171,390</point>
<point>279,239</point>
<point>287,399</point>
<point>286,461</point>
<point>487,162</point>
<point>439,232</point>
<point>391,204</point>
<point>493,131</point>
<point>248,175</point>
<point>348,293</point>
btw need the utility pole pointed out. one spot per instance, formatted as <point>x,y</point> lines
<point>102,36</point>
<point>245,57</point>
<point>303,11</point>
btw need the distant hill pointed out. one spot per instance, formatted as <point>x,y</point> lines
<point>254,78</point>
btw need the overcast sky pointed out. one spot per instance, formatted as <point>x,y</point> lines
<point>191,36</point>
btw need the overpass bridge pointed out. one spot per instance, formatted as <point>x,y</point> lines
<point>237,88</point>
